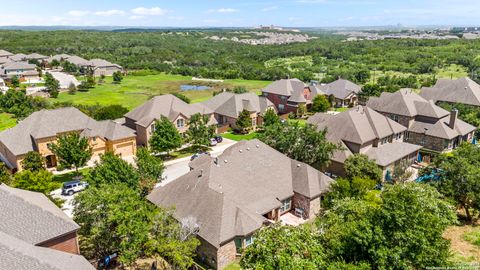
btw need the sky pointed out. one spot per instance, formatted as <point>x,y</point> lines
<point>239,13</point>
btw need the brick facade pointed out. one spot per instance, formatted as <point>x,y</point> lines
<point>217,258</point>
<point>311,207</point>
<point>66,243</point>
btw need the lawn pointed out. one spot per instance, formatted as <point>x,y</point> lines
<point>233,266</point>
<point>7,121</point>
<point>135,90</point>
<point>463,247</point>
<point>239,137</point>
<point>58,179</point>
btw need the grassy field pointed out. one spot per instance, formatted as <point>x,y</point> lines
<point>464,243</point>
<point>239,137</point>
<point>449,72</point>
<point>135,90</point>
<point>7,121</point>
<point>295,63</point>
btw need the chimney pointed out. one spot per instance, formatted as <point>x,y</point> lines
<point>453,118</point>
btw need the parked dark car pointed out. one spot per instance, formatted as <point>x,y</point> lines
<point>218,138</point>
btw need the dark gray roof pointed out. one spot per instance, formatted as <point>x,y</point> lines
<point>285,87</point>
<point>49,123</point>
<point>406,102</point>
<point>231,105</point>
<point>229,195</point>
<point>167,105</point>
<point>32,217</point>
<point>340,88</point>
<point>20,255</point>
<point>463,90</point>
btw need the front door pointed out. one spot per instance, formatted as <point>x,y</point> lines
<point>51,161</point>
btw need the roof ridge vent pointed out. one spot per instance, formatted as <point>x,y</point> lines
<point>299,165</point>
<point>248,148</point>
<point>226,161</point>
<point>258,146</point>
<point>241,151</point>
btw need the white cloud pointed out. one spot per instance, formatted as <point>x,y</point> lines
<point>78,13</point>
<point>136,17</point>
<point>111,12</point>
<point>154,11</point>
<point>269,8</point>
<point>223,10</point>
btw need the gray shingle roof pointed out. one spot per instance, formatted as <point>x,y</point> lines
<point>358,125</point>
<point>406,102</point>
<point>32,217</point>
<point>18,65</point>
<point>20,255</point>
<point>36,56</point>
<point>101,63</point>
<point>4,60</point>
<point>78,61</point>
<point>231,105</point>
<point>167,105</point>
<point>285,87</point>
<point>18,57</point>
<point>49,123</point>
<point>441,128</point>
<point>229,199</point>
<point>463,90</point>
<point>5,53</point>
<point>340,88</point>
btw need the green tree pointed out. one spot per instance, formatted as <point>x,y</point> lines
<point>459,177</point>
<point>320,103</point>
<point>83,87</point>
<point>15,82</point>
<point>52,85</point>
<point>359,165</point>
<point>149,167</point>
<point>270,118</point>
<point>110,112</point>
<point>358,188</point>
<point>239,90</point>
<point>301,110</point>
<point>72,150</point>
<point>5,175</point>
<point>403,231</point>
<point>91,81</point>
<point>300,142</point>
<point>72,89</point>
<point>33,161</point>
<point>113,170</point>
<point>165,136</point>
<point>199,133</point>
<point>38,181</point>
<point>55,63</point>
<point>284,247</point>
<point>117,77</point>
<point>114,218</point>
<point>182,97</point>
<point>244,122</point>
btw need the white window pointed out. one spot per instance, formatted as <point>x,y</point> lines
<point>180,123</point>
<point>286,205</point>
<point>281,107</point>
<point>254,121</point>
<point>152,128</point>
<point>394,117</point>
<point>249,240</point>
<point>283,97</point>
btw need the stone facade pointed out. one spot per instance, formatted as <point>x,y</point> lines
<point>217,258</point>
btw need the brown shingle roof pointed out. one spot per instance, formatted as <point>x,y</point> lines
<point>285,87</point>
<point>229,197</point>
<point>340,88</point>
<point>463,90</point>
<point>231,105</point>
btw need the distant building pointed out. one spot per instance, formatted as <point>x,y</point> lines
<point>288,94</point>
<point>345,92</point>
<point>6,54</point>
<point>463,90</point>
<point>22,70</point>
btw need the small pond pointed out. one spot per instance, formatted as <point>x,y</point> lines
<point>188,87</point>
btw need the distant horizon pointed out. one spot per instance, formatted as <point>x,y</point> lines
<point>239,14</point>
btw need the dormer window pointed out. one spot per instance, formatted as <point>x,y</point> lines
<point>180,123</point>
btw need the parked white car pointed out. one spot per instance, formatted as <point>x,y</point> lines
<point>72,187</point>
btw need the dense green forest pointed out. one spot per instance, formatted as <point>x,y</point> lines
<point>194,54</point>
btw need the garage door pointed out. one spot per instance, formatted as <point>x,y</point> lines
<point>125,149</point>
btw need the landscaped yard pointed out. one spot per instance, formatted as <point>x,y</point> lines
<point>239,137</point>
<point>135,90</point>
<point>233,266</point>
<point>465,241</point>
<point>58,179</point>
<point>7,121</point>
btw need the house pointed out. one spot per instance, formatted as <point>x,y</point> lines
<point>142,119</point>
<point>36,56</point>
<point>58,57</point>
<point>345,92</point>
<point>227,107</point>
<point>361,130</point>
<point>463,90</point>
<point>232,196</point>
<point>43,127</point>
<point>23,70</point>
<point>36,234</point>
<point>64,79</point>
<point>77,61</point>
<point>288,94</point>
<point>18,57</point>
<point>5,54</point>
<point>103,67</point>
<point>428,125</point>
<point>4,60</point>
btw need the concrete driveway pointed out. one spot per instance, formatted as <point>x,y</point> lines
<point>178,167</point>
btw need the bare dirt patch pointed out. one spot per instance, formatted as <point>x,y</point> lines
<point>463,250</point>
